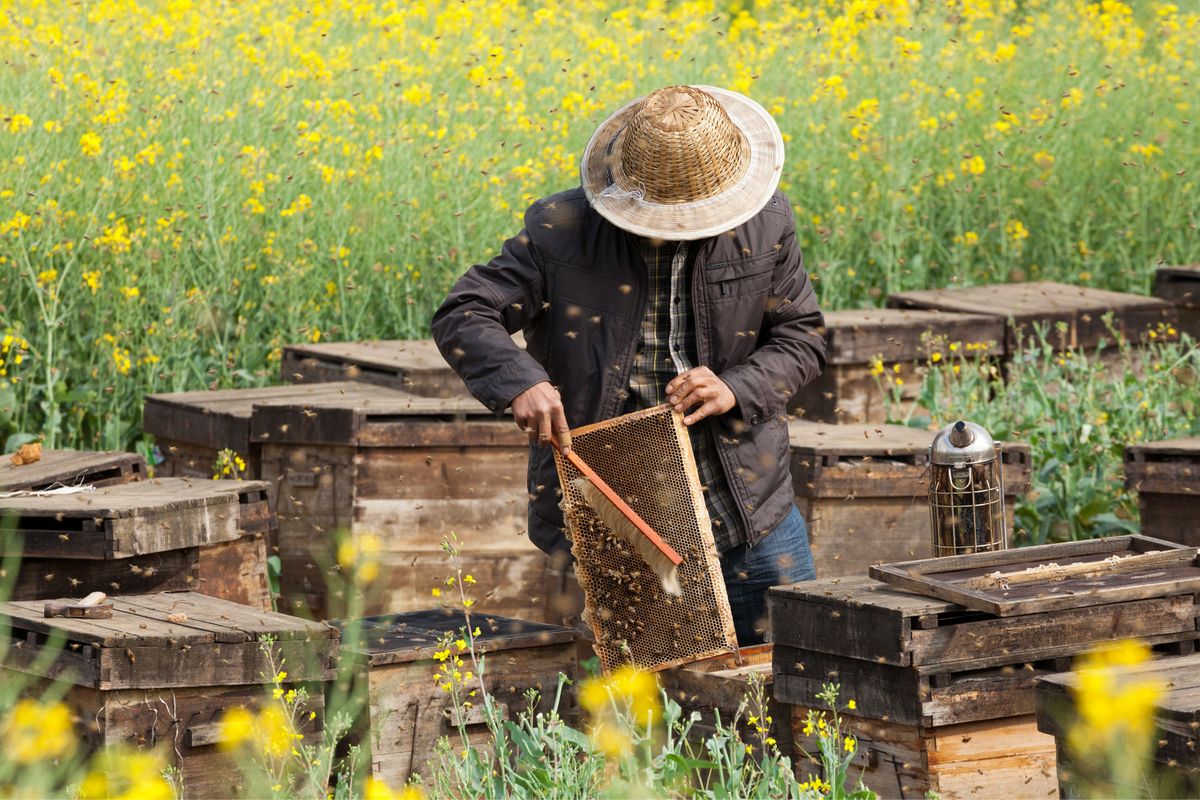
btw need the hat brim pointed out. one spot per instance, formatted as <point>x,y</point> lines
<point>698,219</point>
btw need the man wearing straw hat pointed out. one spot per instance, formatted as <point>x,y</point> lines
<point>671,275</point>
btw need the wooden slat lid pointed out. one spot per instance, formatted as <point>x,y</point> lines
<point>129,519</point>
<point>171,619</point>
<point>856,440</point>
<point>1183,449</point>
<point>863,592</point>
<point>412,636</point>
<point>220,419</point>
<point>1024,300</point>
<point>70,468</point>
<point>400,356</point>
<point>343,418</point>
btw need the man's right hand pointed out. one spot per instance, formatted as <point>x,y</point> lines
<point>539,412</point>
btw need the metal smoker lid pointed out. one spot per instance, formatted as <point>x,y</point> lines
<point>962,442</point>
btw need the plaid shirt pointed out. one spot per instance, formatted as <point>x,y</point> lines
<point>666,349</point>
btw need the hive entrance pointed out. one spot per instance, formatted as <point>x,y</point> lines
<point>647,459</point>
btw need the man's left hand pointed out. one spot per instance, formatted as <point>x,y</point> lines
<point>700,387</point>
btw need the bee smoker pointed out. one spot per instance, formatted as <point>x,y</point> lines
<point>966,491</point>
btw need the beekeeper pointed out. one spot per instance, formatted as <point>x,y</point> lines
<point>672,274</point>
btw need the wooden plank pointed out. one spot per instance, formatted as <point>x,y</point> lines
<point>254,623</point>
<point>137,626</point>
<point>1033,637</point>
<point>950,577</point>
<point>47,578</point>
<point>70,468</point>
<point>213,664</point>
<point>856,631</point>
<point>899,334</point>
<point>159,608</point>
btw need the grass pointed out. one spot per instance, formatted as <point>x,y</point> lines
<point>186,187</point>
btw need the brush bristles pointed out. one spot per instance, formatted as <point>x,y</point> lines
<point>623,529</point>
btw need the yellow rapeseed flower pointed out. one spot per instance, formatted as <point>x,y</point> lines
<point>237,725</point>
<point>35,731</point>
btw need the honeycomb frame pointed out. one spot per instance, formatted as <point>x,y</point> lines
<point>633,620</point>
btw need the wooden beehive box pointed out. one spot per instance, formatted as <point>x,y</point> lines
<point>721,684</point>
<point>1181,286</point>
<point>191,428</point>
<point>70,468</point>
<point>403,713</point>
<point>411,470</point>
<point>1166,476</point>
<point>414,366</point>
<point>849,391</point>
<point>1081,308</point>
<point>944,694</point>
<point>143,536</point>
<point>1176,768</point>
<point>165,668</point>
<point>863,491</point>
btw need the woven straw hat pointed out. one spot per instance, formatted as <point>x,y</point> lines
<point>682,163</point>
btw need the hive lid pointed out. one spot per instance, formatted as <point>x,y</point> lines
<point>368,415</point>
<point>1178,678</point>
<point>1052,577</point>
<point>1081,307</point>
<point>220,419</point>
<point>128,519</point>
<point>70,468</point>
<point>859,336</point>
<point>411,365</point>
<point>1181,449</point>
<point>857,440</point>
<point>414,635</point>
<point>170,639</point>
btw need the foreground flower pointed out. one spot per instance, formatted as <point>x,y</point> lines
<point>119,773</point>
<point>35,731</point>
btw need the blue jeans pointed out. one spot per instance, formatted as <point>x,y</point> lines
<point>781,557</point>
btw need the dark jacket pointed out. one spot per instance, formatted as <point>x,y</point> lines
<point>575,284</point>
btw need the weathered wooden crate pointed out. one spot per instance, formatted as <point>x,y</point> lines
<point>143,536</point>
<point>863,492</point>
<point>1005,758</point>
<point>191,428</point>
<point>71,468</point>
<point>1181,286</point>
<point>402,713</point>
<point>849,391</point>
<point>1166,476</point>
<point>415,365</point>
<point>411,470</point>
<point>165,668</point>
<point>721,684</point>
<point>926,673</point>
<point>1176,769</point>
<point>1081,308</point>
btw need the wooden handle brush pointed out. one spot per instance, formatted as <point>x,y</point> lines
<point>626,523</point>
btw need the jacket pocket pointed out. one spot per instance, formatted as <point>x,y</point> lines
<point>740,277</point>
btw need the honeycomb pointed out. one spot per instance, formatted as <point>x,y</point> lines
<point>647,458</point>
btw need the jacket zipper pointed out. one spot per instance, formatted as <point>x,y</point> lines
<point>703,351</point>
